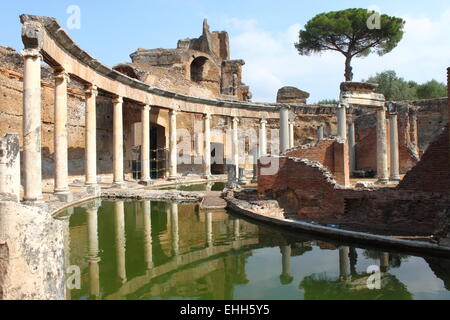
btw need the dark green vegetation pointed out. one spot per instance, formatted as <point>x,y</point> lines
<point>353,33</point>
<point>396,88</point>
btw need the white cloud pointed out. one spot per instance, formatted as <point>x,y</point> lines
<point>272,60</point>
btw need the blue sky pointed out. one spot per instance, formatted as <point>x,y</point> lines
<point>261,32</point>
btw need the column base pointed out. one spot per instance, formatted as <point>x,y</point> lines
<point>63,196</point>
<point>172,178</point>
<point>119,185</point>
<point>146,183</point>
<point>383,181</point>
<point>33,201</point>
<point>207,176</point>
<point>395,178</point>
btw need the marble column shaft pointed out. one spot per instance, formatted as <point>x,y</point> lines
<point>382,163</point>
<point>32,160</point>
<point>342,121</point>
<point>173,156</point>
<point>60,134</point>
<point>145,149</point>
<point>284,129</point>
<point>395,164</point>
<point>236,146</point>
<point>262,138</point>
<point>91,135</point>
<point>118,141</point>
<point>207,148</point>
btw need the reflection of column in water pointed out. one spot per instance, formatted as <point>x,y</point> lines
<point>119,215</point>
<point>237,226</point>
<point>146,208</point>
<point>169,223</point>
<point>286,276</point>
<point>209,231</point>
<point>93,250</point>
<point>344,262</point>
<point>384,262</point>
<point>175,236</point>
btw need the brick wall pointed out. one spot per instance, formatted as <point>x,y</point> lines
<point>305,188</point>
<point>302,187</point>
<point>322,152</point>
<point>332,154</point>
<point>432,173</point>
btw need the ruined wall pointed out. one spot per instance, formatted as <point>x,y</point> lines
<point>306,189</point>
<point>432,173</point>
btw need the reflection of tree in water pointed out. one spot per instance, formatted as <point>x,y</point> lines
<point>320,287</point>
<point>441,268</point>
<point>395,259</point>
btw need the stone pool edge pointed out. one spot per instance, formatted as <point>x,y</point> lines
<point>340,234</point>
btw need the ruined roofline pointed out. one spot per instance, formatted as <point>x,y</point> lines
<point>60,36</point>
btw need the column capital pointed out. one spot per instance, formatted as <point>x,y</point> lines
<point>236,119</point>
<point>173,112</point>
<point>91,90</point>
<point>61,75</point>
<point>207,116</point>
<point>146,107</point>
<point>263,121</point>
<point>31,53</point>
<point>117,100</point>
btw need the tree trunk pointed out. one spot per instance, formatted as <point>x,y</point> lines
<point>348,68</point>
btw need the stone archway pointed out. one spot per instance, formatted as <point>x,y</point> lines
<point>198,69</point>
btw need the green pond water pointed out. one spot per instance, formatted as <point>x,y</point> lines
<point>157,250</point>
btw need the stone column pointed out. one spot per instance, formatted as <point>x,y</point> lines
<point>118,142</point>
<point>119,219</point>
<point>60,137</point>
<point>145,148</point>
<point>32,160</point>
<point>414,136</point>
<point>93,250</point>
<point>342,121</point>
<point>382,165</point>
<point>262,138</point>
<point>320,135</point>
<point>148,242</point>
<point>395,164</point>
<point>207,148</point>
<point>209,230</point>
<point>175,230</point>
<point>352,145</point>
<point>344,262</point>
<point>291,134</point>
<point>91,136</point>
<point>284,129</point>
<point>236,146</point>
<point>255,165</point>
<point>384,262</point>
<point>173,156</point>
<point>286,274</point>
